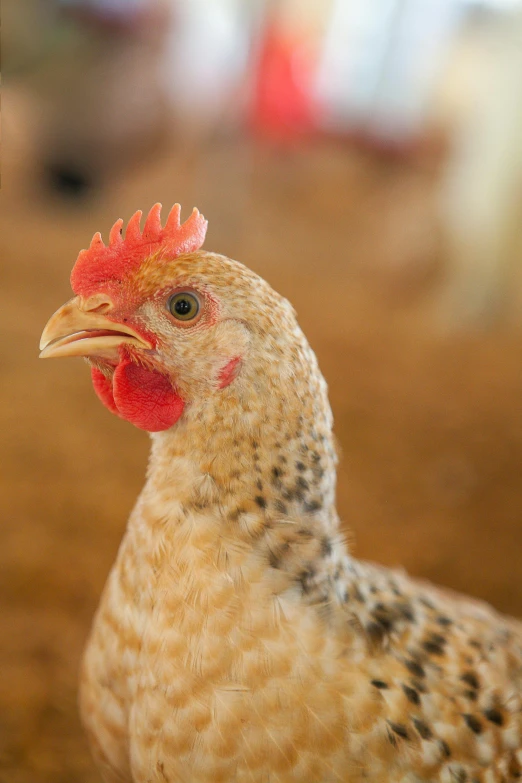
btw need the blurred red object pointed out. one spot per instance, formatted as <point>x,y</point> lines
<point>283,105</point>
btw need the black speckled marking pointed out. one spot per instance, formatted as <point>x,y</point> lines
<point>473,723</point>
<point>399,729</point>
<point>280,506</point>
<point>411,694</point>
<point>432,647</point>
<point>437,638</point>
<point>405,611</point>
<point>300,466</point>
<point>423,729</point>
<point>471,679</point>
<point>383,615</point>
<point>471,695</point>
<point>415,668</point>
<point>515,770</point>
<point>419,686</point>
<point>392,738</point>
<point>275,557</point>
<point>375,633</point>
<point>313,505</point>
<point>358,595</point>
<point>444,621</point>
<point>445,749</point>
<point>380,684</point>
<point>305,578</point>
<point>494,716</point>
<point>326,546</point>
<point>458,775</point>
<point>260,500</point>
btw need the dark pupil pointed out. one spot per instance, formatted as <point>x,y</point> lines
<point>183,307</point>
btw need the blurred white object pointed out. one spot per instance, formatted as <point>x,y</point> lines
<point>205,57</point>
<point>482,186</point>
<point>380,63</point>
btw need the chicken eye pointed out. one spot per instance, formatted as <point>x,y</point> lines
<point>184,306</point>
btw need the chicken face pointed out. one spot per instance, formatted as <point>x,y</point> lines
<point>161,329</point>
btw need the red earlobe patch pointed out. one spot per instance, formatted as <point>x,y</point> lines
<point>229,372</point>
<point>144,397</point>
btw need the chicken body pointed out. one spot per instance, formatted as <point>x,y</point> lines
<point>236,638</point>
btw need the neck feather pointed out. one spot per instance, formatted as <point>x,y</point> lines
<point>259,465</point>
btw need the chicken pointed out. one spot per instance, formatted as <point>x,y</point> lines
<point>236,638</point>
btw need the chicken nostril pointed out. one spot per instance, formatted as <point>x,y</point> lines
<point>98,304</point>
<point>100,309</point>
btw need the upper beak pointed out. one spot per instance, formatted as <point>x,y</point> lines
<point>78,328</point>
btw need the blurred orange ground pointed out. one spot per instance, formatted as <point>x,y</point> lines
<point>430,425</point>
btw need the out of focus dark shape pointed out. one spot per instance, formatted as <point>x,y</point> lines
<point>67,178</point>
<point>93,71</point>
<point>115,15</point>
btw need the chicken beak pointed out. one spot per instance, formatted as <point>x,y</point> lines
<point>79,328</point>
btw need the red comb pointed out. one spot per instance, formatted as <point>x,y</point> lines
<point>102,263</point>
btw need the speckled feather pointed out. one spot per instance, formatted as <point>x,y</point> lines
<point>236,638</point>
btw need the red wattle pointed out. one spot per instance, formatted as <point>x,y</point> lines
<point>103,388</point>
<point>144,397</point>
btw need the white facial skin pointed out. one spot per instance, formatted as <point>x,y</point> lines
<point>193,355</point>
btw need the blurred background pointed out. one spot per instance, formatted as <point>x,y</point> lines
<point>365,156</point>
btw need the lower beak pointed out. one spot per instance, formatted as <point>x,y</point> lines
<point>74,331</point>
